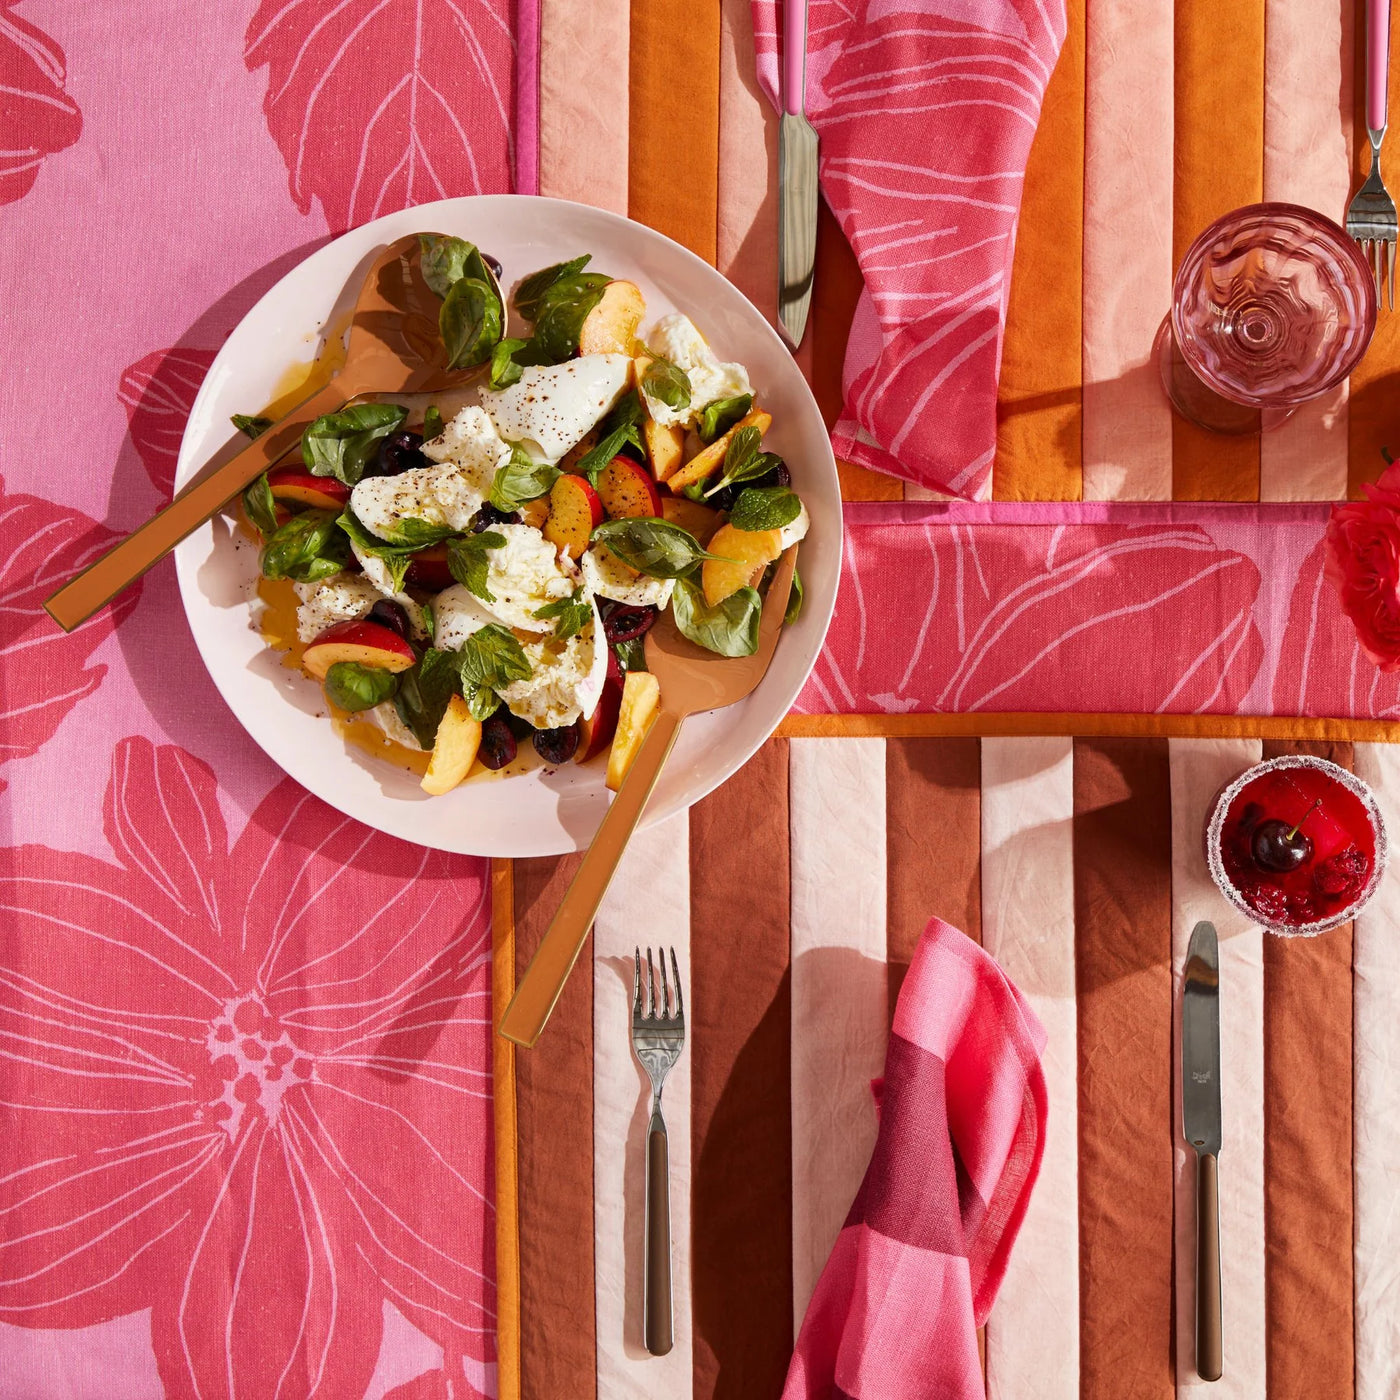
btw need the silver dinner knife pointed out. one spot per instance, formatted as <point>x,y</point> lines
<point>797,180</point>
<point>1200,1121</point>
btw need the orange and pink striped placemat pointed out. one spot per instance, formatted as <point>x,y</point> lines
<point>793,896</point>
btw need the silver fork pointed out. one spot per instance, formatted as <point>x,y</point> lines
<point>658,1036</point>
<point>1371,215</point>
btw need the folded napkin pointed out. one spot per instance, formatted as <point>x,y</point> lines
<point>922,1253</point>
<point>926,112</point>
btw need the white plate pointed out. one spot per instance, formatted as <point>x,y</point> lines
<point>544,812</point>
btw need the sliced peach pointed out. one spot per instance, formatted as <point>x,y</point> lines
<point>704,463</point>
<point>690,515</point>
<point>294,484</point>
<point>369,643</point>
<point>611,326</point>
<point>665,448</point>
<point>570,460</point>
<point>745,553</point>
<point>454,749</point>
<point>626,489</point>
<point>641,695</point>
<point>428,569</point>
<point>574,512</point>
<point>535,512</point>
<point>596,732</point>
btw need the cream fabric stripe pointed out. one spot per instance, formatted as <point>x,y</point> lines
<point>1376,1106</point>
<point>648,902</point>
<point>1127,247</point>
<point>747,232</point>
<point>584,76</point>
<point>1308,68</point>
<point>1199,767</point>
<point>837,824</point>
<point>1028,927</point>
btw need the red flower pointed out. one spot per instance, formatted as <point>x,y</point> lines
<point>36,116</point>
<point>46,671</point>
<point>246,1089</point>
<point>1363,565</point>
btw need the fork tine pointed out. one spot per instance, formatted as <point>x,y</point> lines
<point>1376,264</point>
<point>665,986</point>
<point>651,989</point>
<point>680,1004</point>
<point>637,983</point>
<point>1390,279</point>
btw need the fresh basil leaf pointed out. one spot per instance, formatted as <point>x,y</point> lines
<point>341,444</point>
<point>597,457</point>
<point>395,556</point>
<point>423,693</point>
<point>530,292</point>
<point>355,687</point>
<point>695,491</point>
<point>443,260</point>
<point>653,546</point>
<point>467,560</point>
<point>413,534</point>
<point>731,629</point>
<point>252,427</point>
<point>493,657</point>
<point>308,547</point>
<point>429,620</point>
<point>742,460</point>
<point>521,479</point>
<point>718,417</point>
<point>470,322</point>
<point>631,654</point>
<point>666,382</point>
<point>796,595</point>
<point>260,507</point>
<point>574,613</point>
<point>765,508</point>
<point>432,423</point>
<point>505,370</point>
<point>562,312</point>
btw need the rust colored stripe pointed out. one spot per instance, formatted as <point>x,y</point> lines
<point>554,1109</point>
<point>886,726</point>
<point>741,1118</point>
<point>1219,88</point>
<point>1040,412</point>
<point>933,836</point>
<point>1122,904</point>
<point>673,127</point>
<point>1371,422</point>
<point>1307,1153</point>
<point>504,1127</point>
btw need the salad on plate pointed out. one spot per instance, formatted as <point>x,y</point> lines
<point>481,569</point>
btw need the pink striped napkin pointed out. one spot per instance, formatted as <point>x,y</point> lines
<point>918,1263</point>
<point>926,113</point>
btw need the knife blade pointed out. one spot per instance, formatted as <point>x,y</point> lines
<point>797,180</point>
<point>1201,1123</point>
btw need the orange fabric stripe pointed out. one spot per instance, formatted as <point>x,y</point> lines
<point>673,123</point>
<point>506,1156</point>
<point>554,1115</point>
<point>1123,949</point>
<point>1375,731</point>
<point>1040,408</point>
<point>1372,426</point>
<point>1219,88</point>
<point>1308,1153</point>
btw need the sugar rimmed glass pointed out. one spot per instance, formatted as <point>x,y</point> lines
<point>1272,305</point>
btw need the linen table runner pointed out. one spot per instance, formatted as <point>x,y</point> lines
<point>1077,862</point>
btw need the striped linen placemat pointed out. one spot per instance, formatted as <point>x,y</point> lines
<point>793,896</point>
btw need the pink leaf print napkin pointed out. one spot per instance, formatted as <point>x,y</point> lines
<point>925,110</point>
<point>922,1253</point>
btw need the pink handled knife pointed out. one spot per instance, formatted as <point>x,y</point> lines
<point>797,180</point>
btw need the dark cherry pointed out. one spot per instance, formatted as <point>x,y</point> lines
<point>390,614</point>
<point>557,746</point>
<point>494,264</point>
<point>626,621</point>
<point>521,728</point>
<point>398,453</point>
<point>497,743</point>
<point>1279,846</point>
<point>488,516</point>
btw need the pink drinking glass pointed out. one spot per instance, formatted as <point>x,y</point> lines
<point>1272,305</point>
